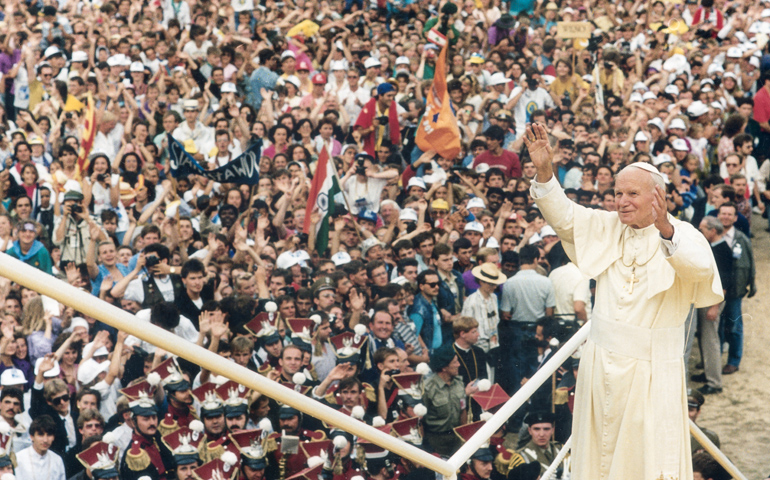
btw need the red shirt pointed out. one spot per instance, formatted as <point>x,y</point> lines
<point>762,105</point>
<point>508,162</point>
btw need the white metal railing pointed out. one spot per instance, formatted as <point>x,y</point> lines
<point>84,302</point>
<point>517,400</point>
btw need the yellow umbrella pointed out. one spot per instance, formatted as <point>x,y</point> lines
<point>305,27</point>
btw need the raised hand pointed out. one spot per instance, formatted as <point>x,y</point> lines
<point>536,140</point>
<point>660,213</point>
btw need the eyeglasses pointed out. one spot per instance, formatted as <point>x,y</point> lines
<point>431,284</point>
<point>62,399</point>
<point>731,164</point>
<point>80,33</point>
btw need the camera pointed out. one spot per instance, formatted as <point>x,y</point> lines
<point>101,177</point>
<point>393,372</point>
<point>454,170</point>
<point>360,167</point>
<point>151,261</point>
<point>608,65</point>
<point>68,115</point>
<point>76,209</point>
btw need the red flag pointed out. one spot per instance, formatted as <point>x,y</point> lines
<point>438,129</point>
<point>87,138</point>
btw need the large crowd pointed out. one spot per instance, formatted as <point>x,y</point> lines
<point>413,291</point>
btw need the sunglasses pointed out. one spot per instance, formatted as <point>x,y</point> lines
<point>431,284</point>
<point>62,399</point>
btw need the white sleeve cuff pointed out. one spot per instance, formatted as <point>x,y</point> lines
<point>540,190</point>
<point>670,246</point>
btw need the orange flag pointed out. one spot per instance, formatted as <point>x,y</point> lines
<point>87,138</point>
<point>438,129</point>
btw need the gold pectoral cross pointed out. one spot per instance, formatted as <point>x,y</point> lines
<point>632,281</point>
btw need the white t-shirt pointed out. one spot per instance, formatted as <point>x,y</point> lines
<point>185,330</point>
<point>529,101</point>
<point>197,53</point>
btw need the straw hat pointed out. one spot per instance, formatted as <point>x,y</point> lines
<point>489,273</point>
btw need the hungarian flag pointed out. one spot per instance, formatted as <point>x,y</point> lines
<point>438,129</point>
<point>323,189</point>
<point>87,138</point>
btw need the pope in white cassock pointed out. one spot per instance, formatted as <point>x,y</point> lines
<point>630,417</point>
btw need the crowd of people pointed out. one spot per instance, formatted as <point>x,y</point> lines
<point>417,292</point>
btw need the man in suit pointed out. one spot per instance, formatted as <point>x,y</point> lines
<point>52,397</point>
<point>708,318</point>
<point>744,273</point>
<point>198,289</point>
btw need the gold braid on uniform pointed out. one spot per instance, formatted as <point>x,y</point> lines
<point>337,467</point>
<point>212,452</point>
<point>561,396</point>
<point>282,467</point>
<point>165,427</point>
<point>504,466</point>
<point>137,462</point>
<point>371,393</point>
<point>361,457</point>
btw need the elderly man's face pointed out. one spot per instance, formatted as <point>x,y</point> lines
<point>634,194</point>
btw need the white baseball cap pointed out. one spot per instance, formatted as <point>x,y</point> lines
<point>641,137</point>
<point>341,258</point>
<point>408,215</point>
<point>672,90</point>
<point>286,260</point>
<point>12,377</point>
<point>136,67</point>
<point>79,56</point>
<point>656,122</point>
<point>696,109</point>
<point>661,158</point>
<point>52,373</point>
<point>51,51</point>
<point>90,369</point>
<point>680,145</point>
<point>476,202</point>
<point>474,226</point>
<point>649,96</point>
<point>228,87</point>
<point>497,79</point>
<point>416,182</point>
<point>372,62</point>
<point>677,123</point>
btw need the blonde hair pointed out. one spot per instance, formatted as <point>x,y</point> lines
<point>33,316</point>
<point>463,325</point>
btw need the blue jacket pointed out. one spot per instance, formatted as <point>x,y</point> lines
<point>446,299</point>
<point>424,309</point>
